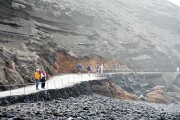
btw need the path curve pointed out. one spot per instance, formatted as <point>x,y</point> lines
<point>56,82</point>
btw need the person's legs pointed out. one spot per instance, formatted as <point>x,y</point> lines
<point>37,84</point>
<point>79,71</point>
<point>43,83</point>
<point>101,70</point>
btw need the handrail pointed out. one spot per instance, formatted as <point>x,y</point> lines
<point>20,84</point>
<point>110,71</point>
<point>71,80</point>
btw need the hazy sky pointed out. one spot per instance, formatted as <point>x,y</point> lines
<point>177,2</point>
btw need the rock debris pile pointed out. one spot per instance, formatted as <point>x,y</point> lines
<point>92,107</point>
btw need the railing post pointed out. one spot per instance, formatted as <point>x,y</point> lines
<point>10,90</point>
<point>47,84</point>
<point>73,79</point>
<point>62,82</point>
<point>68,81</point>
<point>24,88</point>
<point>81,77</point>
<point>55,84</point>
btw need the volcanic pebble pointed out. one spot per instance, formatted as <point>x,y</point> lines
<point>92,107</point>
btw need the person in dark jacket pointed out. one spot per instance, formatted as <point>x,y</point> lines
<point>43,78</point>
<point>89,69</point>
<point>79,68</point>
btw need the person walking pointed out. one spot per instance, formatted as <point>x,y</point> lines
<point>79,68</point>
<point>89,69</point>
<point>43,79</point>
<point>101,68</point>
<point>97,68</point>
<point>37,78</point>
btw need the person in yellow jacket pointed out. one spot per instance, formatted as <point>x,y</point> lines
<point>37,78</point>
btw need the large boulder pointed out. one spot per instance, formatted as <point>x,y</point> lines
<point>110,89</point>
<point>159,94</point>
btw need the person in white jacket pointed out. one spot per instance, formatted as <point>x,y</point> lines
<point>101,68</point>
<point>43,78</point>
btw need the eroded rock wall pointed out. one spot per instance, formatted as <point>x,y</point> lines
<point>153,87</point>
<point>68,63</point>
<point>134,34</point>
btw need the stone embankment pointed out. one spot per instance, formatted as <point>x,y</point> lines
<point>103,87</point>
<point>48,95</point>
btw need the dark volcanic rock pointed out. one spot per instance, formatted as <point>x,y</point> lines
<point>99,107</point>
<point>142,84</point>
<point>158,95</point>
<point>107,88</point>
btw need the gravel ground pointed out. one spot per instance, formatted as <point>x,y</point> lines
<point>91,108</point>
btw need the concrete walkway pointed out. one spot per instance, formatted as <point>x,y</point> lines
<point>63,81</point>
<point>55,82</point>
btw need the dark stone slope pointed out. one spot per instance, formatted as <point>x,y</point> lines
<point>143,34</point>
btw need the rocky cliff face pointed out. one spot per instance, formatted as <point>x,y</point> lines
<point>152,87</point>
<point>141,34</point>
